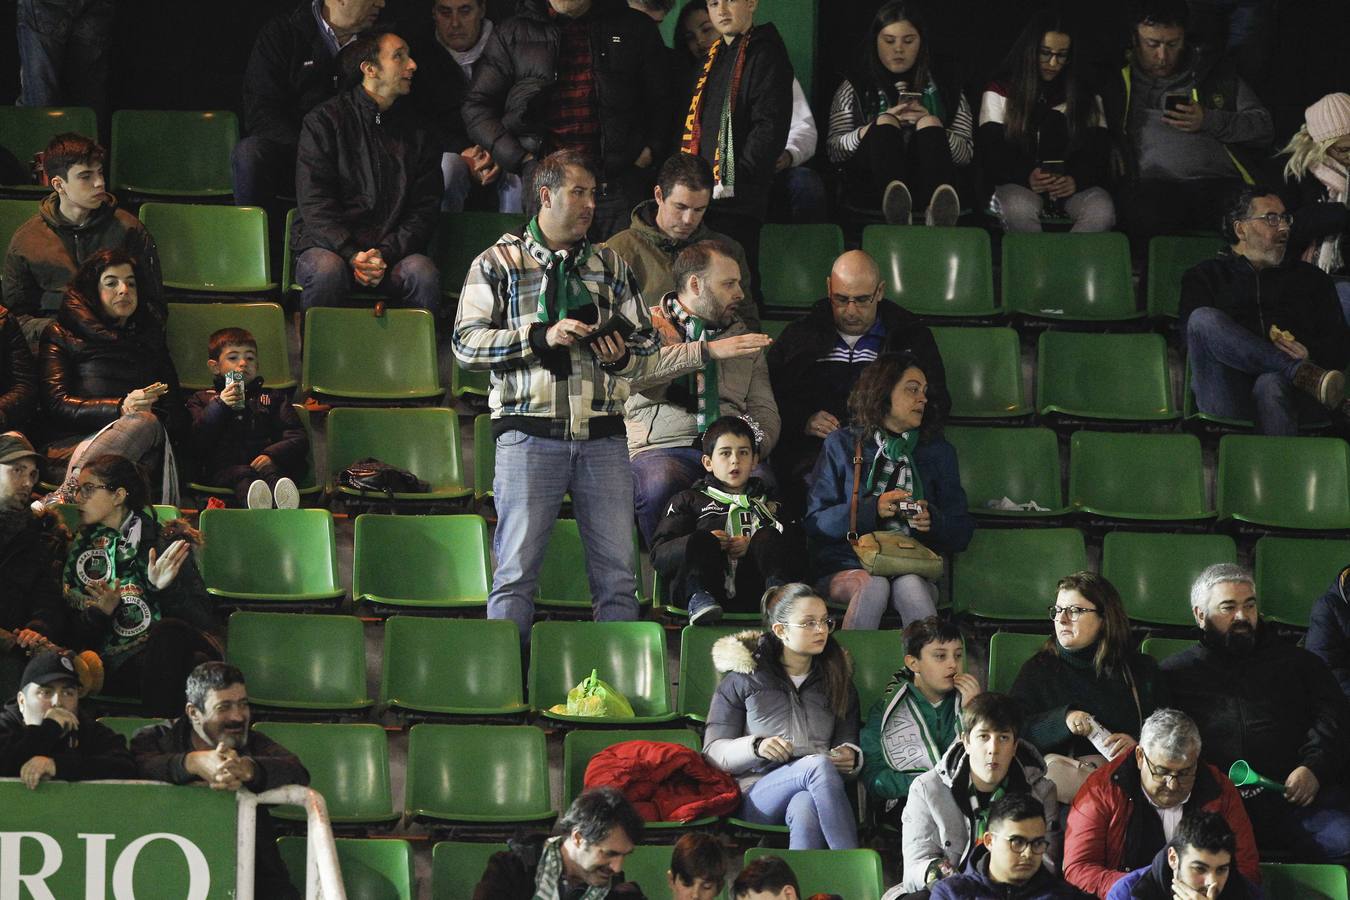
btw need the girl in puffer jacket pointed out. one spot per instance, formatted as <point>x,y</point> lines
<point>784,721</point>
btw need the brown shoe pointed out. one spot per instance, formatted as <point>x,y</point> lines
<point>1327,385</point>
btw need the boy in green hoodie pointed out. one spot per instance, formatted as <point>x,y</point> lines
<point>915,721</point>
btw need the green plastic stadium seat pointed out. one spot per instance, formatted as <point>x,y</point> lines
<point>630,656</point>
<point>1168,259</point>
<point>698,677</point>
<point>483,774</point>
<point>1007,652</point>
<point>215,249</point>
<point>14,213</point>
<point>1304,881</point>
<point>1021,464</point>
<point>794,260</point>
<point>1154,572</point>
<point>372,868</point>
<point>301,661</point>
<point>1192,414</point>
<point>173,153</point>
<point>1011,574</point>
<point>282,555</point>
<point>348,764</point>
<point>457,866</point>
<point>935,271</point>
<point>581,745</point>
<point>463,667</point>
<point>25,131</point>
<point>1153,477</point>
<point>475,384</point>
<point>127,726</point>
<point>562,577</point>
<point>1160,648</point>
<point>1291,573</point>
<point>459,238</point>
<point>1284,482</point>
<point>877,656</point>
<point>307,484</point>
<point>855,874</point>
<point>1073,277</point>
<point>484,456</point>
<point>440,562</point>
<point>350,353</point>
<point>423,440</point>
<point>191,324</point>
<point>1120,377</point>
<point>984,372</point>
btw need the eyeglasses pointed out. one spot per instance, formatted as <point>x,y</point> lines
<point>1020,845</point>
<point>1048,55</point>
<point>86,490</point>
<point>1073,612</point>
<point>826,625</point>
<point>1167,774</point>
<point>861,302</point>
<point>1274,220</point>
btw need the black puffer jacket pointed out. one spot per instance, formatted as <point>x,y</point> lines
<point>507,104</point>
<point>366,178</point>
<point>290,71</point>
<point>1277,707</point>
<point>18,376</point>
<point>89,365</point>
<point>32,552</point>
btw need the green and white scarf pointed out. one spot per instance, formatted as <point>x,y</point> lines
<point>745,516</point>
<point>892,468</point>
<point>705,381</point>
<point>562,289</point>
<point>550,871</point>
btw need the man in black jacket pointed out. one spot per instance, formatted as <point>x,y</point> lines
<point>1273,704</point>
<point>43,734</point>
<point>816,361</point>
<point>368,185</point>
<point>213,744</point>
<point>292,69</point>
<point>32,551</point>
<point>1260,328</point>
<point>583,75</point>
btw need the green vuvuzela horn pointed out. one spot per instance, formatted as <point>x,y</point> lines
<point>1243,775</point>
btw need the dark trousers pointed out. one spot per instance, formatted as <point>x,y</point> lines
<point>699,565</point>
<point>921,158</point>
<point>158,671</point>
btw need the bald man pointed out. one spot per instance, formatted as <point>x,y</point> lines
<point>814,365</point>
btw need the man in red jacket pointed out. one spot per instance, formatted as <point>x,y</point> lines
<point>1127,811</point>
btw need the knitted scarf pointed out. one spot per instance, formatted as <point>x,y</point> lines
<point>562,289</point>
<point>893,466</point>
<point>703,384</point>
<point>745,516</point>
<point>550,870</point>
<point>724,158</point>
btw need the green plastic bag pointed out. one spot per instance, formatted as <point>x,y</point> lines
<point>595,698</point>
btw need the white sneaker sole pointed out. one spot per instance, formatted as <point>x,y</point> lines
<point>287,495</point>
<point>259,495</point>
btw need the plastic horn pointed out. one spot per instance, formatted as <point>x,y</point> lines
<point>1243,775</point>
<point>88,665</point>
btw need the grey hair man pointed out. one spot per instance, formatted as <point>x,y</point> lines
<point>1291,728</point>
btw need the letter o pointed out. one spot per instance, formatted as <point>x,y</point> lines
<point>199,873</point>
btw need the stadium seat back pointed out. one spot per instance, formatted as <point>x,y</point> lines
<point>1021,464</point>
<point>191,324</point>
<point>698,676</point>
<point>452,666</point>
<point>1292,573</point>
<point>1305,881</point>
<point>13,213</point>
<point>1154,477</point>
<point>1160,648</point>
<point>423,440</point>
<point>1011,574</point>
<point>581,745</point>
<point>1075,277</point>
<point>348,764</point>
<point>220,249</point>
<point>877,656</point>
<point>1285,482</point>
<point>430,561</point>
<point>1008,651</point>
<point>372,868</point>
<point>1168,259</point>
<point>984,372</point>
<point>300,661</point>
<point>354,354</point>
<point>794,260</point>
<point>934,271</point>
<point>25,131</point>
<point>461,236</point>
<point>457,867</point>
<point>287,555</point>
<point>1121,377</point>
<point>478,773</point>
<point>629,656</point>
<point>173,152</point>
<point>1153,571</point>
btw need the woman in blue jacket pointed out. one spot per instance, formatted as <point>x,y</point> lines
<point>904,458</point>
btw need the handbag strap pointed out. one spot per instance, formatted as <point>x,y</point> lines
<point>1134,692</point>
<point>853,502</point>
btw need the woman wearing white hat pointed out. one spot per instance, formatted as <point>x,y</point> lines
<point>1318,169</point>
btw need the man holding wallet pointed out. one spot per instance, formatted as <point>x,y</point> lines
<point>562,327</point>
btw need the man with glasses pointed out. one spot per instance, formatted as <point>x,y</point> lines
<point>1265,336</point>
<point>815,363</point>
<point>1258,698</point>
<point>1014,865</point>
<point>1129,809</point>
<point>1190,129</point>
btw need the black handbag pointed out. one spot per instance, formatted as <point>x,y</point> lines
<point>372,476</point>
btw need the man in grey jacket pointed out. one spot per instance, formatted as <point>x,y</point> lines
<point>710,365</point>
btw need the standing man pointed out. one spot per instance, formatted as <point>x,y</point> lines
<point>368,185</point>
<point>711,366</point>
<point>292,69</point>
<point>582,75</point>
<point>529,313</point>
<point>1273,704</point>
<point>64,53</point>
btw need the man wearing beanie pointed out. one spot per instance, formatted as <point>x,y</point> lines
<point>32,551</point>
<point>1316,169</point>
<point>43,734</point>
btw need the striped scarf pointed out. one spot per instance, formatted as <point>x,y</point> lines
<point>550,871</point>
<point>724,157</point>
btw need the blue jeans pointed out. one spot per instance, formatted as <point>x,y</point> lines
<point>1319,833</point>
<point>64,51</point>
<point>459,184</point>
<point>262,171</point>
<point>808,795</point>
<point>660,474</point>
<point>1239,375</point>
<point>1343,292</point>
<point>532,475</point>
<point>325,279</point>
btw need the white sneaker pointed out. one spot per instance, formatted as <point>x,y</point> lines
<point>286,494</point>
<point>259,495</point>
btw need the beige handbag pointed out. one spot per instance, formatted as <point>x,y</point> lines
<point>887,553</point>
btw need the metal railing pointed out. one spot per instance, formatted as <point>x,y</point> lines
<point>323,874</point>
